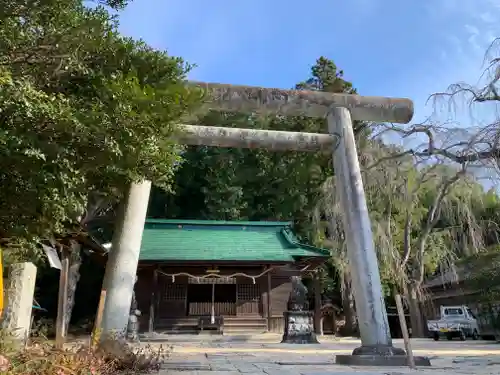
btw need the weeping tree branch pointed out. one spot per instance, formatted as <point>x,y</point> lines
<point>423,177</point>
<point>482,144</point>
<point>468,151</point>
<point>432,219</point>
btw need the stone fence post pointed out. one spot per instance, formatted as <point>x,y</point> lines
<point>19,294</point>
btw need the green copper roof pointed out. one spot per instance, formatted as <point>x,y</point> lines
<point>191,240</point>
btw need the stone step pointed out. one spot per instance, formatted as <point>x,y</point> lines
<point>178,331</point>
<point>245,329</point>
<point>177,320</point>
<point>243,318</point>
<point>246,324</point>
<point>230,321</point>
<point>179,324</point>
<point>232,325</point>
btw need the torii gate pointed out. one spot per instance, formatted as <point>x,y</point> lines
<point>376,347</point>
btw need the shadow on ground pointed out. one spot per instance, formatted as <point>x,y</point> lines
<point>215,339</point>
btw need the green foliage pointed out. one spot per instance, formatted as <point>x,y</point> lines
<point>83,109</point>
<point>114,4</point>
<point>482,272</point>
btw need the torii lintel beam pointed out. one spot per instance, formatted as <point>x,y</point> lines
<point>197,135</point>
<point>245,99</point>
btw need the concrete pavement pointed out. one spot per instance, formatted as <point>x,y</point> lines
<point>263,354</point>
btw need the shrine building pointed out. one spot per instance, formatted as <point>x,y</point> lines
<point>232,276</point>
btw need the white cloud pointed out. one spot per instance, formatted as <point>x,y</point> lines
<point>462,32</point>
<point>474,33</point>
<point>487,18</point>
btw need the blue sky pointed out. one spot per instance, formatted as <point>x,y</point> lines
<point>400,48</point>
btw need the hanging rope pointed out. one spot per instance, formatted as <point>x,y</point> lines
<point>217,276</point>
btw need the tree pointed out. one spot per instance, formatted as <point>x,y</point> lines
<point>83,111</point>
<point>482,277</point>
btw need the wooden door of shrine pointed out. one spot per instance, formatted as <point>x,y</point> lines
<point>212,296</point>
<point>248,299</point>
<point>172,298</point>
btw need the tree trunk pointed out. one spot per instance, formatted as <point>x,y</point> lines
<point>417,327</point>
<point>75,262</point>
<point>351,321</point>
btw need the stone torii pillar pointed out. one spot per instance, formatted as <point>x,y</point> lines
<point>339,109</point>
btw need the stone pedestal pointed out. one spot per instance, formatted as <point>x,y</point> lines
<point>20,291</point>
<point>379,355</point>
<point>299,328</point>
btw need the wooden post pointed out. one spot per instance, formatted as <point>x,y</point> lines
<point>152,303</point>
<point>263,299</point>
<point>269,299</point>
<point>212,307</point>
<point>98,319</point>
<point>317,304</point>
<point>334,321</point>
<point>404,330</point>
<point>62,303</point>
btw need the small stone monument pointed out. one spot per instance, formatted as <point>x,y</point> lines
<point>133,320</point>
<point>299,321</point>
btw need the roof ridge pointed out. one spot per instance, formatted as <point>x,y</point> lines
<point>219,222</point>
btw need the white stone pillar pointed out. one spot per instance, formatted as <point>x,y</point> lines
<point>363,262</point>
<point>19,295</point>
<point>121,268</point>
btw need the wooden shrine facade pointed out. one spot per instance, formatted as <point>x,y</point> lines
<point>248,293</point>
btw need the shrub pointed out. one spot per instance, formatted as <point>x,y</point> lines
<point>113,357</point>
